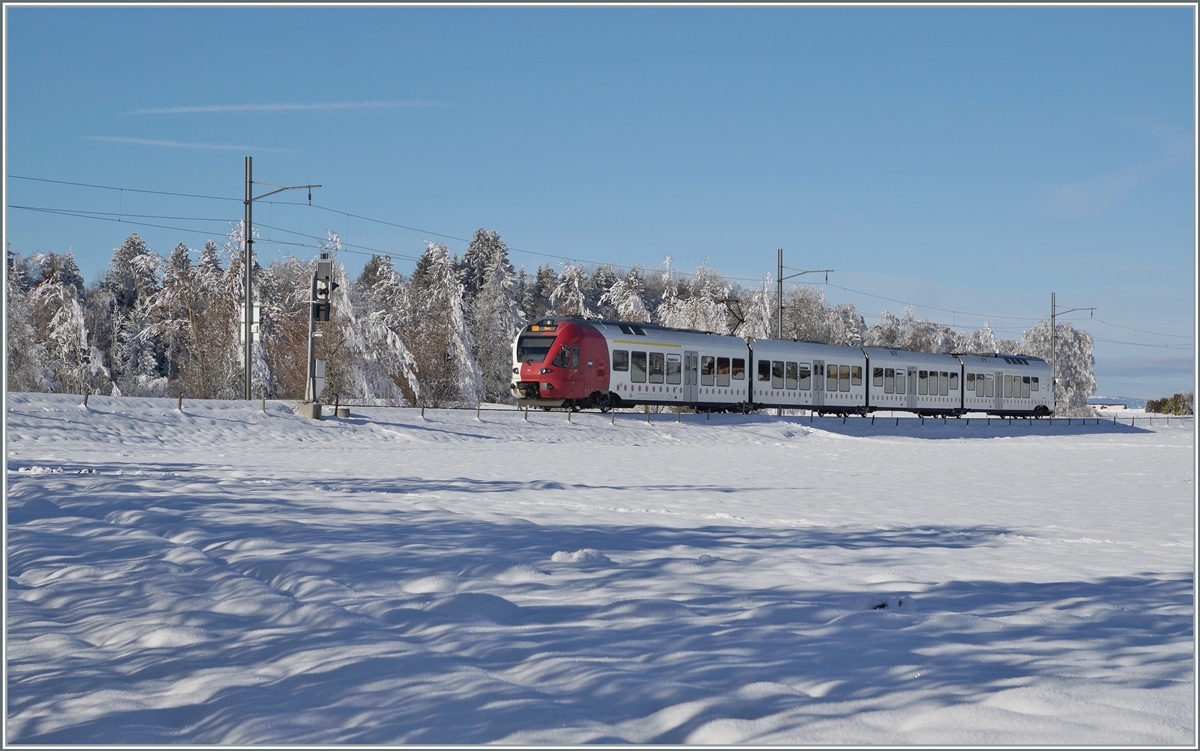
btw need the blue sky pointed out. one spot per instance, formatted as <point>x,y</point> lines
<point>966,160</point>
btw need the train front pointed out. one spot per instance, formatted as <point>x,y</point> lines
<point>542,372</point>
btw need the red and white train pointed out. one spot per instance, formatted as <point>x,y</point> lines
<point>576,363</point>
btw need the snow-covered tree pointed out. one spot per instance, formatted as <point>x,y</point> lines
<point>75,365</point>
<point>26,365</point>
<point>491,313</point>
<point>1074,363</point>
<point>437,333</point>
<point>625,297</point>
<point>697,303</point>
<point>382,369</point>
<point>570,295</point>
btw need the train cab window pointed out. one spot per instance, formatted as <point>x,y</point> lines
<point>889,380</point>
<point>791,378</point>
<point>708,370</point>
<point>764,370</point>
<point>777,374</point>
<point>805,377</point>
<point>877,377</point>
<point>621,359</point>
<point>674,368</point>
<point>944,383</point>
<point>637,373</point>
<point>954,381</point>
<point>575,356</point>
<point>856,375</point>
<point>831,377</point>
<point>739,369</point>
<point>844,376</point>
<point>922,382</point>
<point>657,367</point>
<point>988,386</point>
<point>562,359</point>
<point>722,371</point>
<point>533,348</point>
<point>970,382</point>
<point>900,382</point>
<point>1024,387</point>
<point>1033,383</point>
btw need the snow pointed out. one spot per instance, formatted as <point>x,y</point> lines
<point>225,575</point>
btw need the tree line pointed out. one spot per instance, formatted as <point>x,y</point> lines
<point>1179,404</point>
<point>442,336</point>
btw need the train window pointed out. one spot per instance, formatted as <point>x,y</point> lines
<point>791,376</point>
<point>877,377</point>
<point>739,369</point>
<point>625,328</point>
<point>533,348</point>
<point>954,381</point>
<point>971,382</point>
<point>638,330</point>
<point>922,382</point>
<point>933,383</point>
<point>805,377</point>
<point>562,358</point>
<point>637,373</point>
<point>988,386</point>
<point>889,380</point>
<point>1007,386</point>
<point>856,375</point>
<point>944,383</point>
<point>621,359</point>
<point>1033,383</point>
<point>575,356</point>
<point>673,368</point>
<point>657,367</point>
<point>764,370</point>
<point>777,374</point>
<point>900,382</point>
<point>1025,387</point>
<point>722,371</point>
<point>708,370</point>
<point>844,373</point>
<point>831,377</point>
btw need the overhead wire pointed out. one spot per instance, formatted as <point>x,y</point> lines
<point>366,250</point>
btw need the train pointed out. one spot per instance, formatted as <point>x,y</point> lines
<point>576,363</point>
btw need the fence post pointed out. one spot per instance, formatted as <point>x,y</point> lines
<point>872,419</point>
<point>85,396</point>
<point>679,416</point>
<point>422,411</point>
<point>264,400</point>
<point>527,414</point>
<point>179,406</point>
<point>477,410</point>
<point>568,414</point>
<point>613,421</point>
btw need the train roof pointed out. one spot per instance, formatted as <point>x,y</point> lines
<point>608,322</point>
<point>879,355</point>
<point>996,359</point>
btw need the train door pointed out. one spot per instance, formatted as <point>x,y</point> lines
<point>818,392</point>
<point>999,390</point>
<point>911,388</point>
<point>691,376</point>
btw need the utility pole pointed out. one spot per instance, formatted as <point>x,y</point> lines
<point>1054,342</point>
<point>248,260</point>
<point>779,293</point>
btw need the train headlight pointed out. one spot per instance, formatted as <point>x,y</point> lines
<point>516,371</point>
<point>544,371</point>
<point>547,387</point>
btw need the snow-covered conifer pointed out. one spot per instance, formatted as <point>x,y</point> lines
<point>625,297</point>
<point>570,295</point>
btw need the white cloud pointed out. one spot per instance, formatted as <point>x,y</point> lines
<point>181,145</point>
<point>278,107</point>
<point>1084,198</point>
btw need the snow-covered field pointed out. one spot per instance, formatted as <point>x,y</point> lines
<point>222,575</point>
